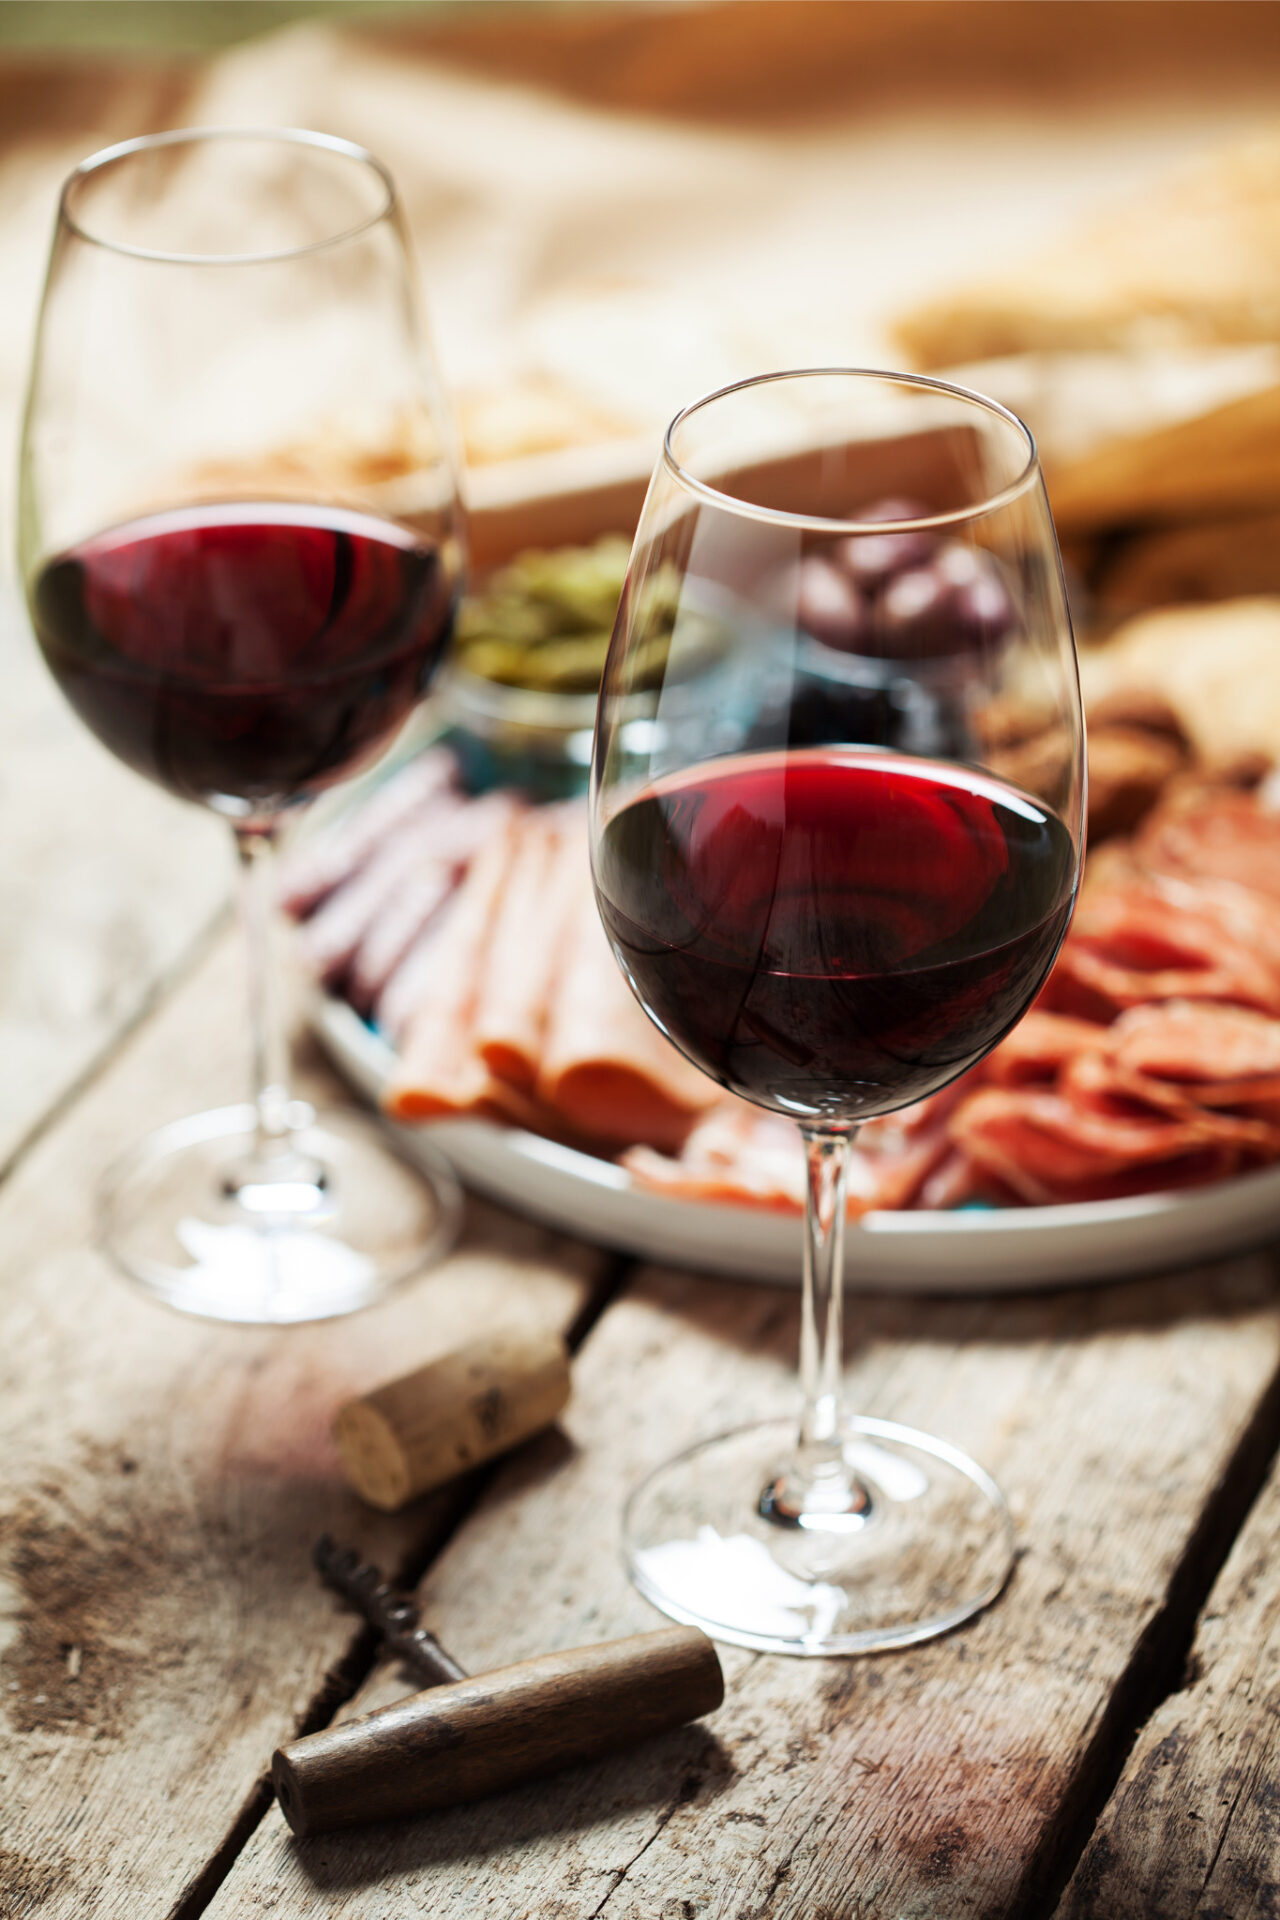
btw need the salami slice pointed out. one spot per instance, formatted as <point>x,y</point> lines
<point>1045,1148</point>
<point>1218,835</point>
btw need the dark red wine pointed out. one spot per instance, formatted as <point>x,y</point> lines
<point>833,933</point>
<point>244,655</point>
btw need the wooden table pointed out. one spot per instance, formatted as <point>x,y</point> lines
<point>1101,1743</point>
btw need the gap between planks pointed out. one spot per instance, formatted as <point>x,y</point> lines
<point>1159,1666</point>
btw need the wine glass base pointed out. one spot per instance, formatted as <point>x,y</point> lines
<point>348,1222</point>
<point>933,1546</point>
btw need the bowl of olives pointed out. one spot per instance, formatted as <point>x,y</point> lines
<point>518,696</point>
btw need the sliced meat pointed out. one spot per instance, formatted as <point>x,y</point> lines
<point>741,1155</point>
<point>1097,1083</point>
<point>1220,834</point>
<point>329,941</point>
<point>1038,1047</point>
<point>736,1155</point>
<point>606,1070</point>
<point>311,871</point>
<point>1152,940</point>
<point>1045,1148</point>
<point>527,952</point>
<point>447,844</point>
<point>1222,1055</point>
<point>439,1070</point>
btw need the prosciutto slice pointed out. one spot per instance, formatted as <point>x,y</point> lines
<point>746,1156</point>
<point>1039,1046</point>
<point>1044,1148</point>
<point>1152,940</point>
<point>310,872</point>
<point>1219,834</point>
<point>1224,1056</point>
<point>446,847</point>
<point>736,1155</point>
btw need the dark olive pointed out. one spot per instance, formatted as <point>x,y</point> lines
<point>871,559</point>
<point>828,605</point>
<point>958,600</point>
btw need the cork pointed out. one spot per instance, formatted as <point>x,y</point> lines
<point>416,1432</point>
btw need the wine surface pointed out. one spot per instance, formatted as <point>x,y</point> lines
<point>244,655</point>
<point>834,933</point>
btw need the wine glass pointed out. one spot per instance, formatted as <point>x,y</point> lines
<point>835,857</point>
<point>241,543</point>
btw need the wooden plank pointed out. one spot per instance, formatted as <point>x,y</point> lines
<point>164,1480</point>
<point>105,886</point>
<point>923,1783</point>
<point>1193,1827</point>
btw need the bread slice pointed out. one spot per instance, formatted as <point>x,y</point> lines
<point>1195,260</point>
<point>1217,666</point>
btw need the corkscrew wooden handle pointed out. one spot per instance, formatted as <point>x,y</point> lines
<point>474,1737</point>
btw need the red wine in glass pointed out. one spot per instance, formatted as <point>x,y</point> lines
<point>235,302</point>
<point>244,655</point>
<point>820,885</point>
<point>830,933</point>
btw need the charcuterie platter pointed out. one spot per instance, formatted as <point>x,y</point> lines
<point>966,1251</point>
<point>573,1117</point>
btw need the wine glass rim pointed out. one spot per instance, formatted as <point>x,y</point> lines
<point>779,516</point>
<point>190,136</point>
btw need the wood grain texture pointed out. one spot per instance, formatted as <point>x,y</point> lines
<point>927,1783</point>
<point>105,886</point>
<point>160,1625</point>
<point>1193,1828</point>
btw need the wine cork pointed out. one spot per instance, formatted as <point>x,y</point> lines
<point>424,1428</point>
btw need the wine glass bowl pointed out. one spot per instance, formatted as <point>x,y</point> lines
<point>242,547</point>
<point>835,860</point>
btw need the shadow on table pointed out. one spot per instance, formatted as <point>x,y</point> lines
<point>649,1783</point>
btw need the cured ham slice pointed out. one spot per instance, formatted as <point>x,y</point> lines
<point>1156,941</point>
<point>1220,835</point>
<point>330,939</point>
<point>311,871</point>
<point>439,1070</point>
<point>1039,1046</point>
<point>1224,1056</point>
<point>1097,1083</point>
<point>447,845</point>
<point>1044,1148</point>
<point>527,950</point>
<point>605,1069</point>
<point>745,1156</point>
<point>735,1155</point>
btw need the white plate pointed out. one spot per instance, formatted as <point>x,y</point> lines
<point>894,1252</point>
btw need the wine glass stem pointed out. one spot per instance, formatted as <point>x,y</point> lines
<point>255,846</point>
<point>822,1306</point>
